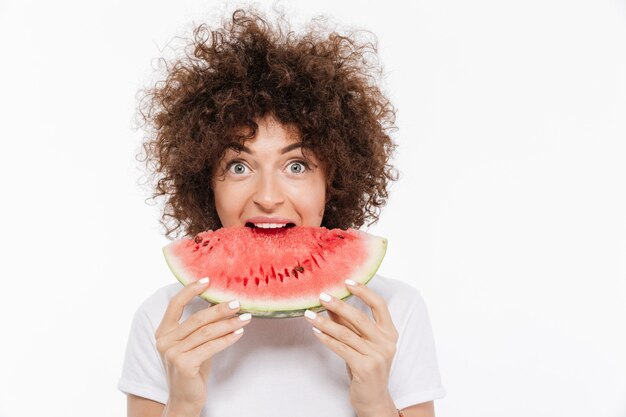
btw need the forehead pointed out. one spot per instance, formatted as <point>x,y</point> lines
<point>272,130</point>
<point>271,136</point>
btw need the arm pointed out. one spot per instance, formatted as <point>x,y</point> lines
<point>142,407</point>
<point>426,409</point>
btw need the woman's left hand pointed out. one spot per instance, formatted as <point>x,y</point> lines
<point>367,346</point>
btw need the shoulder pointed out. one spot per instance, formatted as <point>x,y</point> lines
<point>154,305</point>
<point>407,308</point>
<point>402,299</point>
<point>396,292</point>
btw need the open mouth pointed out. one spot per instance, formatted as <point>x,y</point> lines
<point>268,226</point>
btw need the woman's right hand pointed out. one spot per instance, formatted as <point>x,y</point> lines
<point>187,348</point>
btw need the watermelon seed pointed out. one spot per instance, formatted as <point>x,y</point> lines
<point>197,239</point>
<point>206,242</point>
<point>297,269</point>
<point>257,281</point>
<point>245,282</point>
<point>286,272</point>
<point>340,237</point>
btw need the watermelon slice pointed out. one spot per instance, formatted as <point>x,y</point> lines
<point>276,273</point>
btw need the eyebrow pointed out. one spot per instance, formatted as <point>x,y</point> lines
<point>241,148</point>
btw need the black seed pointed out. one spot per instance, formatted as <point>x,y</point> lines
<point>197,239</point>
<point>298,268</point>
<point>205,243</point>
<point>340,236</point>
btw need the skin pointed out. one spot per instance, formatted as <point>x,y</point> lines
<point>265,179</point>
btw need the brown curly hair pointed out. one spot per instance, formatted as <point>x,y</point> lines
<point>229,77</point>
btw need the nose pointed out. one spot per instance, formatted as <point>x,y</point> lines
<point>269,193</point>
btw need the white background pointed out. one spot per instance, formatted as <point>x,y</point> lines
<point>509,216</point>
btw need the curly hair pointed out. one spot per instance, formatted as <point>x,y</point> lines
<point>321,83</point>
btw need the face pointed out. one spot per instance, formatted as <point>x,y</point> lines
<point>269,183</point>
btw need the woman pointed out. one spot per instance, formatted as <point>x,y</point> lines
<point>256,125</point>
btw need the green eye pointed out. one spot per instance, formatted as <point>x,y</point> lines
<point>297,167</point>
<point>237,168</point>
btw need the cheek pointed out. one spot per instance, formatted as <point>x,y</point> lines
<point>311,202</point>
<point>227,202</point>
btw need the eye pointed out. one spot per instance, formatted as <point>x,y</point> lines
<point>237,167</point>
<point>298,167</point>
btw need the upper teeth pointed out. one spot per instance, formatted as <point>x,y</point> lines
<point>270,225</point>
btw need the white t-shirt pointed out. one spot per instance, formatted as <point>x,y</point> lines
<point>280,369</point>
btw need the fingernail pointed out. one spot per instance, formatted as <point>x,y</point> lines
<point>233,304</point>
<point>238,331</point>
<point>350,282</point>
<point>316,330</point>
<point>203,281</point>
<point>245,317</point>
<point>325,297</point>
<point>310,314</point>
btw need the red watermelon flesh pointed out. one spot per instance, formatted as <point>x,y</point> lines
<point>276,273</point>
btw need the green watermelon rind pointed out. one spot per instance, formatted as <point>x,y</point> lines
<point>377,247</point>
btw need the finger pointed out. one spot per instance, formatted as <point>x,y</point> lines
<point>340,333</point>
<point>380,311</point>
<point>203,317</point>
<point>347,353</point>
<point>358,321</point>
<point>207,350</point>
<point>175,307</point>
<point>213,331</point>
<point>338,319</point>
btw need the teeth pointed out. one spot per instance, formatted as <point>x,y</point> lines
<point>270,225</point>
